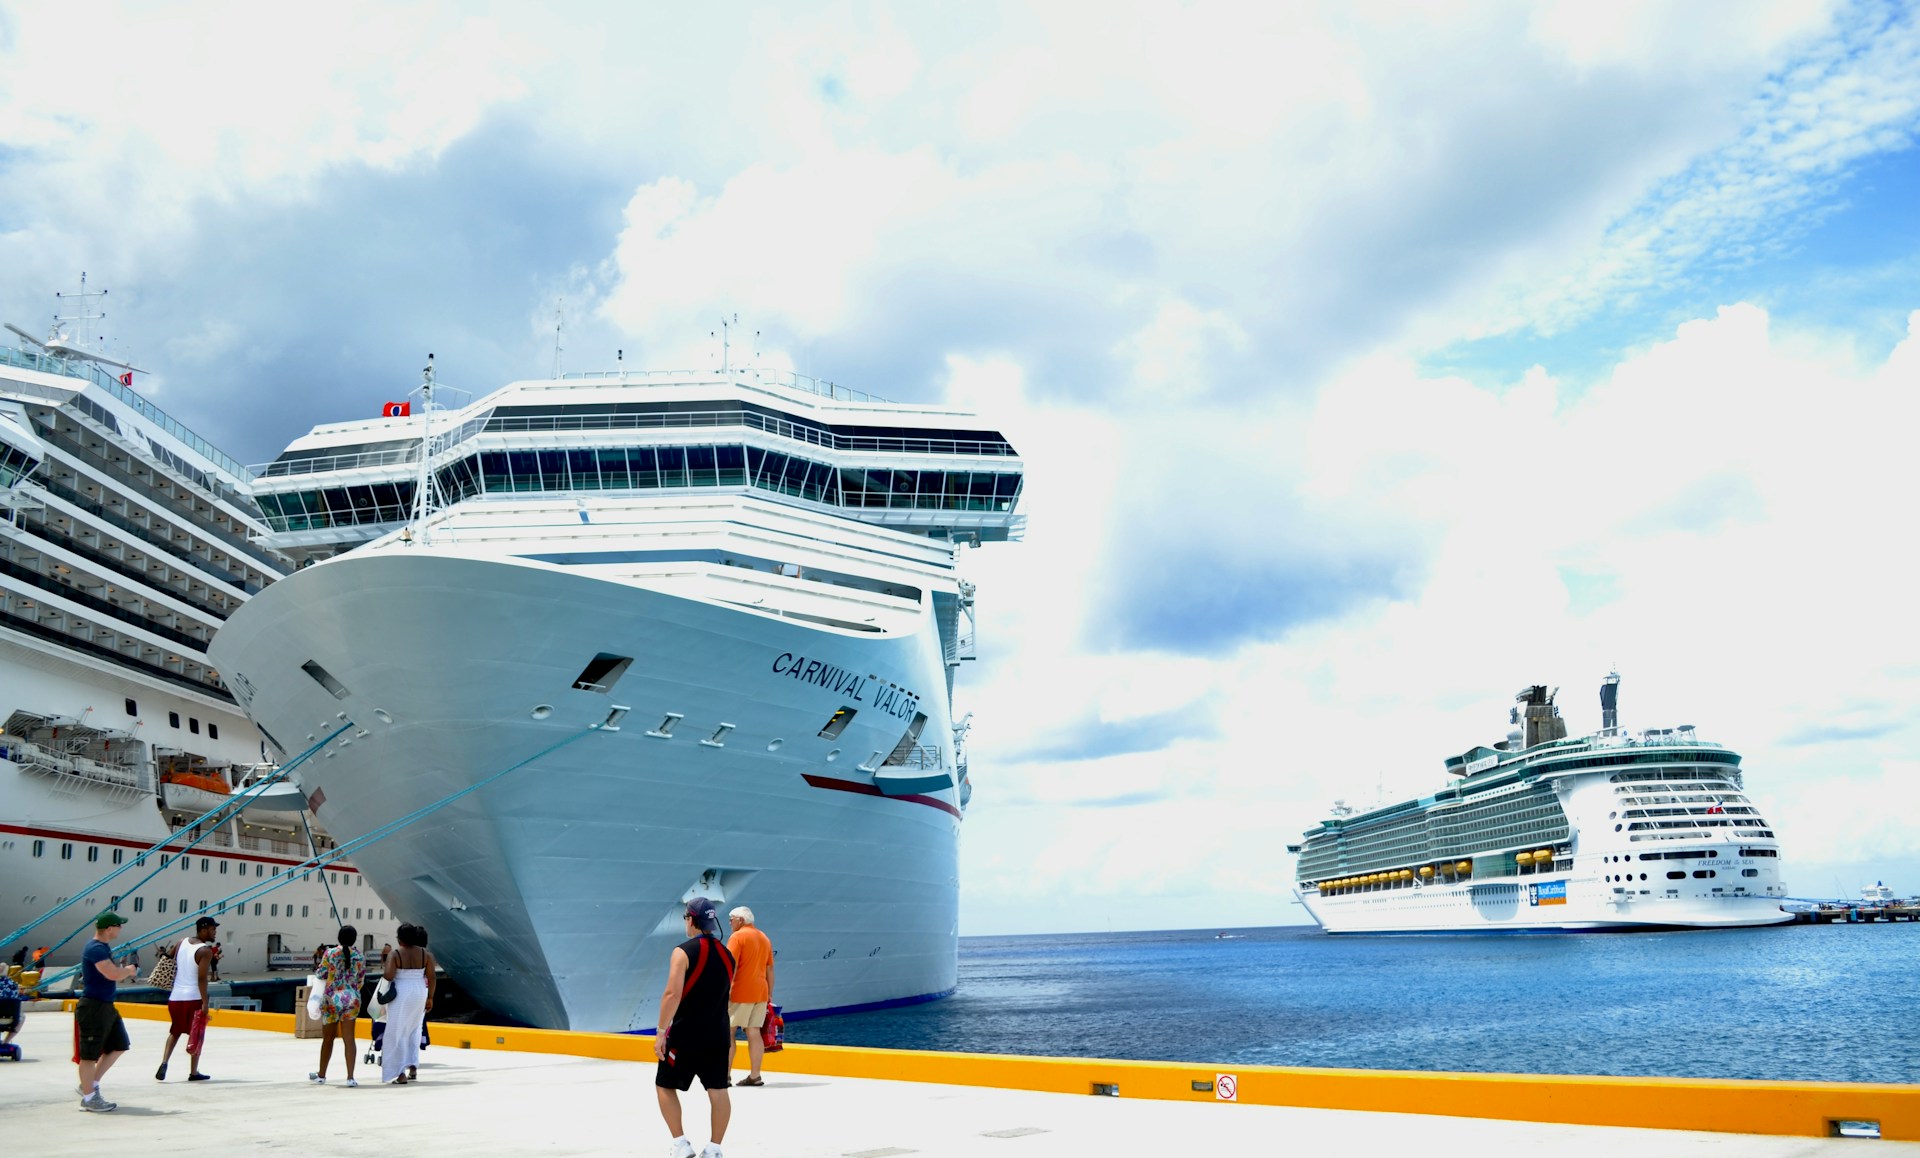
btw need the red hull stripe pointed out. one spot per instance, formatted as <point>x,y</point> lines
<point>859,789</point>
<point>121,842</point>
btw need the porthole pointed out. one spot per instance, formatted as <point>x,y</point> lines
<point>833,755</point>
<point>543,711</point>
<point>381,715</point>
<point>774,745</point>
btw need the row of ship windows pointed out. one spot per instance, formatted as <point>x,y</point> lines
<point>186,863</point>
<point>1692,854</point>
<point>1657,825</point>
<point>1623,777</point>
<point>1719,787</point>
<point>272,909</point>
<point>173,721</point>
<point>1679,875</point>
<point>1712,810</point>
<point>647,468</point>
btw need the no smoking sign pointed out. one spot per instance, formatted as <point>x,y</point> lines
<point>1226,1087</point>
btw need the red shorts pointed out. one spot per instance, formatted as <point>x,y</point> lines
<point>180,1014</point>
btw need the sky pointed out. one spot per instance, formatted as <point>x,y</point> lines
<point>1368,362</point>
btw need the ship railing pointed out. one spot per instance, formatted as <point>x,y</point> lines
<point>71,774</point>
<point>787,378</point>
<point>918,756</point>
<point>266,844</point>
<point>338,462</point>
<point>779,427</point>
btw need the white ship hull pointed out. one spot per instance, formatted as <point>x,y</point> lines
<point>1516,907</point>
<point>554,893</point>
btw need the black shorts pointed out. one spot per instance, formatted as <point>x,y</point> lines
<point>707,1056</point>
<point>98,1030</point>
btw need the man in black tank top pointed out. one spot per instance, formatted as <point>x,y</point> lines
<point>694,1038</point>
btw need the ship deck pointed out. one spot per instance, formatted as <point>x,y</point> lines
<point>472,1101</point>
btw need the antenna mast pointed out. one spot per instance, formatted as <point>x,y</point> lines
<point>559,326</point>
<point>423,494</point>
<point>86,315</point>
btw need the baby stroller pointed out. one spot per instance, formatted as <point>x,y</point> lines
<point>10,1019</point>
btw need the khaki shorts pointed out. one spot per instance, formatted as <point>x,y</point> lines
<point>746,1014</point>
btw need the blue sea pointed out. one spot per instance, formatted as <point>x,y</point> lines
<point>1804,1002</point>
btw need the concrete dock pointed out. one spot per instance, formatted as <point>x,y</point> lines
<point>484,1101</point>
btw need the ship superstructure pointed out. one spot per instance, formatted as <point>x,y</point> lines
<point>647,636</point>
<point>125,541</point>
<point>1542,832</point>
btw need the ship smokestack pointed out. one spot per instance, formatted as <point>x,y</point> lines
<point>1610,703</point>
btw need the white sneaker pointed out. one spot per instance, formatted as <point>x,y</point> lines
<point>316,1079</point>
<point>682,1148</point>
<point>710,1150</point>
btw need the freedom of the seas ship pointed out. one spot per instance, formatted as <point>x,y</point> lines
<point>1546,833</point>
<point>125,541</point>
<point>637,637</point>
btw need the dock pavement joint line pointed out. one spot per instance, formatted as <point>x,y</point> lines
<point>1710,1105</point>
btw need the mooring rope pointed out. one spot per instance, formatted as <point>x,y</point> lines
<point>324,860</point>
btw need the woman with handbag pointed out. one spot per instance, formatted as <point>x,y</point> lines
<point>411,969</point>
<point>342,971</point>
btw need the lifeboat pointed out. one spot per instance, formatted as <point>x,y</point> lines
<point>192,791</point>
<point>1522,858</point>
<point>1465,866</point>
<point>1426,870</point>
<point>1406,874</point>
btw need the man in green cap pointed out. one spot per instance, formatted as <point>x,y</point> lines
<point>101,1035</point>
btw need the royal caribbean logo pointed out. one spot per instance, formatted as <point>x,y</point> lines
<point>1548,893</point>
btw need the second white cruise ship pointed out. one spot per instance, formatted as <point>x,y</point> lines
<point>1546,833</point>
<point>650,636</point>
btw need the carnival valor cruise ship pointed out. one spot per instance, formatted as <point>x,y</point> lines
<point>125,541</point>
<point>1542,833</point>
<point>638,637</point>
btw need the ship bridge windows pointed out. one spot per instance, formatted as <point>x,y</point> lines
<point>648,468</point>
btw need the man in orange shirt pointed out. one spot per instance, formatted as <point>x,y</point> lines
<point>752,987</point>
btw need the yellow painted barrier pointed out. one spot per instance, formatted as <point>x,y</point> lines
<point>1715,1105</point>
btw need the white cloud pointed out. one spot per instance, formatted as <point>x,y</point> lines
<point>1188,261</point>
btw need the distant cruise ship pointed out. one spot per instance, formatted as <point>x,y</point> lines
<point>1542,833</point>
<point>125,541</point>
<point>649,636</point>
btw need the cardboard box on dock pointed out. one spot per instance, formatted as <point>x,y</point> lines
<point>303,1026</point>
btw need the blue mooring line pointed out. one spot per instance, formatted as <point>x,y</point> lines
<point>320,861</point>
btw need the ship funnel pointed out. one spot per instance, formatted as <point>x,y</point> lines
<point>1539,720</point>
<point>1610,703</point>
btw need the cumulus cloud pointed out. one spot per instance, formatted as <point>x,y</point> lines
<point>1193,263</point>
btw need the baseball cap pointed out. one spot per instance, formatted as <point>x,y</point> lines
<point>704,914</point>
<point>108,920</point>
<point>204,921</point>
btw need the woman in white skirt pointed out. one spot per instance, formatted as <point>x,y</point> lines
<point>411,969</point>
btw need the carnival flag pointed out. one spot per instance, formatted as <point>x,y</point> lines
<point>397,410</point>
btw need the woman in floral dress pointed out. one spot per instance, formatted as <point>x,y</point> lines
<point>342,970</point>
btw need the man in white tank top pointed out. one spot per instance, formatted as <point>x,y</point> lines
<point>190,997</point>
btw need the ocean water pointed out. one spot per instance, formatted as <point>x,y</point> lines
<point>1805,1002</point>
